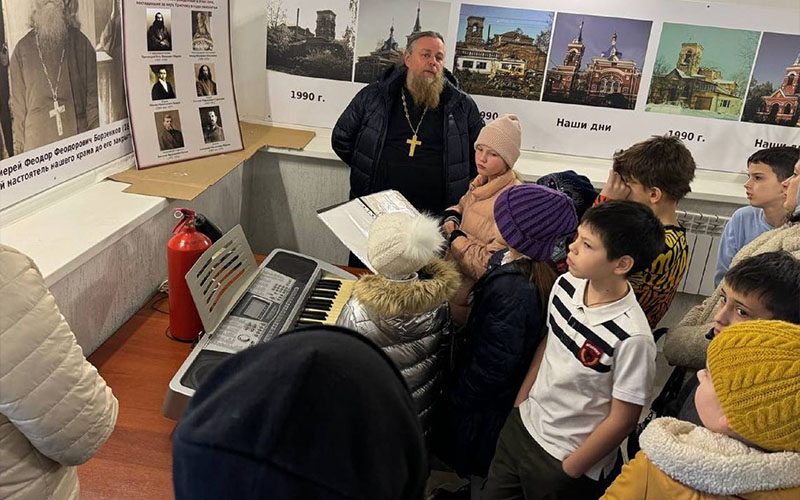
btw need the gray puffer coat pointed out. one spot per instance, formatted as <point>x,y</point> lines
<point>408,319</point>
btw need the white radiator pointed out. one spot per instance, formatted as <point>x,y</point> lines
<point>703,232</point>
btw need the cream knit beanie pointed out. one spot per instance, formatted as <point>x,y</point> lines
<point>504,135</point>
<point>400,244</point>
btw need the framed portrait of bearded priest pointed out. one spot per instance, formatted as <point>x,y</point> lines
<point>63,69</point>
<point>159,30</point>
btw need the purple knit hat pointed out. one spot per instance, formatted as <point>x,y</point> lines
<point>531,218</point>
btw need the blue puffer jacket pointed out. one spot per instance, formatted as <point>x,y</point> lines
<point>360,132</point>
<point>503,331</point>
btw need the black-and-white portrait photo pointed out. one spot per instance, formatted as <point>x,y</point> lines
<point>110,67</point>
<point>159,30</point>
<point>162,78</point>
<point>212,124</point>
<point>168,128</point>
<point>201,30</point>
<point>52,72</point>
<point>204,79</point>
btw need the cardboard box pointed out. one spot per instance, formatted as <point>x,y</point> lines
<point>187,179</point>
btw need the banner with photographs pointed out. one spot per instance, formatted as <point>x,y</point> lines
<point>62,101</point>
<point>585,78</point>
<point>179,80</point>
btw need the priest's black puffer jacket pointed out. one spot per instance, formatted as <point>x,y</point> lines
<point>360,132</point>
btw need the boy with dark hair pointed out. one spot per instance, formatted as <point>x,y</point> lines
<point>656,172</point>
<point>765,286</point>
<point>749,445</point>
<point>594,370</point>
<point>766,170</point>
<point>772,279</point>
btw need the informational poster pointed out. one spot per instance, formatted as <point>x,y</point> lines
<point>585,78</point>
<point>179,80</point>
<point>62,101</point>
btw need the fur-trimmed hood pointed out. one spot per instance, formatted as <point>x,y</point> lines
<point>438,283</point>
<point>715,463</point>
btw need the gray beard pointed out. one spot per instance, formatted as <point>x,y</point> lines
<point>425,92</point>
<point>50,26</point>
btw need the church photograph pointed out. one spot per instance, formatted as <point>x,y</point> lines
<point>314,39</point>
<point>502,52</point>
<point>702,71</point>
<point>596,61</point>
<point>383,30</point>
<point>774,93</point>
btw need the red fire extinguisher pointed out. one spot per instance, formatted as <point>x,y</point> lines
<point>183,250</point>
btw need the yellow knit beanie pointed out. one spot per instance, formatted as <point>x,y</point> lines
<point>755,369</point>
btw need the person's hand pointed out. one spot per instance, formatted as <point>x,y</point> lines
<point>566,466</point>
<point>615,187</point>
<point>448,227</point>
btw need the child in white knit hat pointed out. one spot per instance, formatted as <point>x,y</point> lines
<point>403,308</point>
<point>470,226</point>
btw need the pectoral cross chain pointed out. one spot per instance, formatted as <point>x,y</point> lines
<point>413,144</point>
<point>57,108</point>
<point>56,112</point>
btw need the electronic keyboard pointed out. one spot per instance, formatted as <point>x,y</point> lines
<point>242,305</point>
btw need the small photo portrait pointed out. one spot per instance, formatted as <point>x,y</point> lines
<point>204,79</point>
<point>159,30</point>
<point>162,81</point>
<point>211,121</point>
<point>168,128</point>
<point>201,30</point>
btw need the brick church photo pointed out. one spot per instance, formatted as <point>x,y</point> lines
<point>774,93</point>
<point>702,71</point>
<point>502,52</point>
<point>596,61</point>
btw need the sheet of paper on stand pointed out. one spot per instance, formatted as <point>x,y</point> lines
<point>350,221</point>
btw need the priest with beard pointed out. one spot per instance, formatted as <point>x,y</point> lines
<point>205,84</point>
<point>158,36</point>
<point>53,73</point>
<point>413,130</point>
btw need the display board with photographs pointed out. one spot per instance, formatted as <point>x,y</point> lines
<point>585,78</point>
<point>62,103</point>
<point>180,84</point>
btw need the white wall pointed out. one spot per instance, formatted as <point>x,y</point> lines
<point>100,296</point>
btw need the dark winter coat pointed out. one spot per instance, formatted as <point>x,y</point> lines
<point>360,132</point>
<point>317,413</point>
<point>503,331</point>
